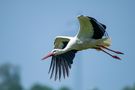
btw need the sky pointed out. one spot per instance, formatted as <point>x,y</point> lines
<point>29,27</point>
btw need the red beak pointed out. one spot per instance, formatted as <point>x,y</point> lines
<point>47,56</point>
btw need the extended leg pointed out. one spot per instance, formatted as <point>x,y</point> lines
<point>117,52</point>
<point>116,57</point>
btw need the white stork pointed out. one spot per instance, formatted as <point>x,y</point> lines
<point>92,35</point>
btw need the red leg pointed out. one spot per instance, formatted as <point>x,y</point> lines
<point>117,52</point>
<point>116,57</point>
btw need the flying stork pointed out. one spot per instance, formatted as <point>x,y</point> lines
<point>92,35</point>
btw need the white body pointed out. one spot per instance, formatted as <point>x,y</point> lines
<point>80,44</point>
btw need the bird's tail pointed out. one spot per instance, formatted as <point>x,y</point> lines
<point>106,42</point>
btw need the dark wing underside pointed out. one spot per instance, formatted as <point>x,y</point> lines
<point>61,64</point>
<point>64,44</point>
<point>99,28</point>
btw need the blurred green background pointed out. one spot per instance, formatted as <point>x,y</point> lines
<point>10,80</point>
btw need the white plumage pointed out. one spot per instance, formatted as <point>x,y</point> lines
<point>92,35</point>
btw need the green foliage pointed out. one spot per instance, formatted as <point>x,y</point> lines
<point>10,80</point>
<point>9,77</point>
<point>64,88</point>
<point>129,87</point>
<point>40,87</point>
<point>95,88</point>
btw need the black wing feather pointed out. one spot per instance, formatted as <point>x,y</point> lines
<point>104,26</point>
<point>66,67</point>
<point>56,69</point>
<point>69,62</point>
<point>59,69</point>
<point>63,68</point>
<point>61,64</point>
<point>53,66</point>
<point>99,28</point>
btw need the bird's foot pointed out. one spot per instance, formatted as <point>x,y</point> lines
<point>116,57</point>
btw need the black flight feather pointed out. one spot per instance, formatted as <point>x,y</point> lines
<point>63,68</point>
<point>69,62</point>
<point>61,64</point>
<point>52,61</point>
<point>59,69</point>
<point>53,66</point>
<point>56,69</point>
<point>99,28</point>
<point>66,67</point>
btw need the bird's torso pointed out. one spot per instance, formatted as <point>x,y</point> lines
<point>85,44</point>
<point>78,44</point>
<point>89,43</point>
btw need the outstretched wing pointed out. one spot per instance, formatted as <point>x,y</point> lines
<point>90,28</point>
<point>61,42</point>
<point>98,28</point>
<point>61,64</point>
<point>86,28</point>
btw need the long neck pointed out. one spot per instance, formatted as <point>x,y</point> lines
<point>61,51</point>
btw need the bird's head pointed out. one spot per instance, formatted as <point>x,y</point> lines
<point>54,52</point>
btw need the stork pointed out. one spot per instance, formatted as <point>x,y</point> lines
<point>92,35</point>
